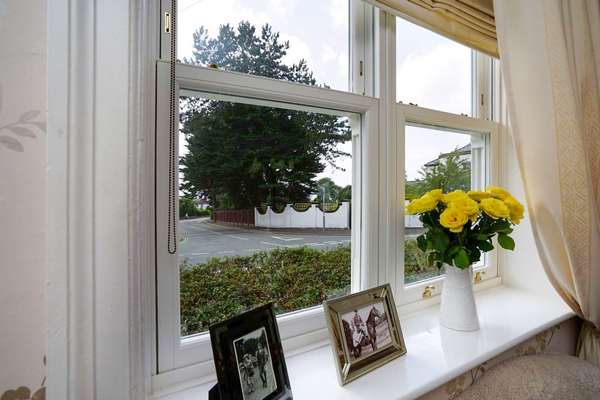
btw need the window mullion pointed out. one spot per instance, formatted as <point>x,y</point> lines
<point>391,154</point>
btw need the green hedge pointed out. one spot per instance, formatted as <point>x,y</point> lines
<point>291,278</point>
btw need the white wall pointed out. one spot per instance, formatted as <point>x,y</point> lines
<point>521,268</point>
<point>22,194</point>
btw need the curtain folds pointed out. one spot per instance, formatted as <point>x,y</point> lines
<point>550,51</point>
<point>470,22</point>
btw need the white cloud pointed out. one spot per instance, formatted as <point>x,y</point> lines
<point>338,11</point>
<point>282,8</point>
<point>328,54</point>
<point>299,49</point>
<point>438,78</point>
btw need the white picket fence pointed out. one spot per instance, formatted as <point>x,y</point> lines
<point>311,218</point>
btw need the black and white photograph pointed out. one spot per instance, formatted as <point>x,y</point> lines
<point>249,360</point>
<point>366,330</point>
<point>255,366</point>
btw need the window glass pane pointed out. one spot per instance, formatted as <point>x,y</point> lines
<point>437,158</point>
<point>431,70</point>
<point>254,180</point>
<point>304,41</point>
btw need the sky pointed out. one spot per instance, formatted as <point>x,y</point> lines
<point>432,71</point>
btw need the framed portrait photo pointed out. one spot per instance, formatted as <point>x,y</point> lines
<point>365,331</point>
<point>248,357</point>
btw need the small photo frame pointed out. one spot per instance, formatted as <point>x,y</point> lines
<point>365,331</point>
<point>248,357</point>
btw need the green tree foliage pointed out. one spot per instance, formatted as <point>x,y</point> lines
<point>333,192</point>
<point>242,155</point>
<point>451,173</point>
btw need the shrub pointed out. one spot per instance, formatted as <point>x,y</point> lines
<point>291,278</point>
<point>204,213</point>
<point>187,208</point>
<point>416,266</point>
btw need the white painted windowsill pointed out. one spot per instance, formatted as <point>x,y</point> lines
<point>434,356</point>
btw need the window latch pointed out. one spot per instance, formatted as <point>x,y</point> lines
<point>428,291</point>
<point>478,276</point>
<point>167,22</point>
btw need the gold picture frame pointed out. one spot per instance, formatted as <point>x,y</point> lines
<point>365,331</point>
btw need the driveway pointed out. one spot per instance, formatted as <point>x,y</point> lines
<point>200,239</point>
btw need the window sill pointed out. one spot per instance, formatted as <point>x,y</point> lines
<point>435,354</point>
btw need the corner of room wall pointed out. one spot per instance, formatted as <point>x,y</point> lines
<point>23,109</point>
<point>521,268</point>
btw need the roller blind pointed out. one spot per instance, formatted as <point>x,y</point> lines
<point>470,22</point>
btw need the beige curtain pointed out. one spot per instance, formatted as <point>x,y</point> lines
<point>550,53</point>
<point>470,22</point>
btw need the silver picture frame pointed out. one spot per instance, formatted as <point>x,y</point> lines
<point>364,330</point>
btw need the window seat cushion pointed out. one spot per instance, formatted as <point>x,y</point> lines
<point>545,376</point>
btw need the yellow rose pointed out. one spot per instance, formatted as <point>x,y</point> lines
<point>422,204</point>
<point>498,192</point>
<point>453,219</point>
<point>494,208</point>
<point>467,206</point>
<point>515,208</point>
<point>436,194</point>
<point>455,195</point>
<point>478,195</point>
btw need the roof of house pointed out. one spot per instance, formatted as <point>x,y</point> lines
<point>466,149</point>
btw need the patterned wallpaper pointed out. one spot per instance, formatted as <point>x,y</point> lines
<point>23,108</point>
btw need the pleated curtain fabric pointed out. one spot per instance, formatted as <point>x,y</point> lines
<point>550,53</point>
<point>470,22</point>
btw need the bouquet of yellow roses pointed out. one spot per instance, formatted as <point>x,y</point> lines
<point>460,226</point>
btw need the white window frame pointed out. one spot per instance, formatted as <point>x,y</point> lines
<point>377,209</point>
<point>411,295</point>
<point>397,115</point>
<point>300,328</point>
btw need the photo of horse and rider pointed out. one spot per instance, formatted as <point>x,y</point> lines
<point>255,366</point>
<point>366,330</point>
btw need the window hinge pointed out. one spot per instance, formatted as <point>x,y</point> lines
<point>360,68</point>
<point>167,22</point>
<point>482,99</point>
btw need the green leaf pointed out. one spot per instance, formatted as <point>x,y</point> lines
<point>501,225</point>
<point>474,256</point>
<point>422,242</point>
<point>439,240</point>
<point>453,250</point>
<point>485,246</point>
<point>506,241</point>
<point>461,259</point>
